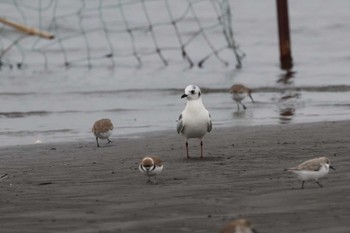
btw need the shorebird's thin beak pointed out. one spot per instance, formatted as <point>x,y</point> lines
<point>331,167</point>
<point>251,97</point>
<point>184,95</point>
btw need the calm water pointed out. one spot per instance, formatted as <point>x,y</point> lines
<point>59,105</point>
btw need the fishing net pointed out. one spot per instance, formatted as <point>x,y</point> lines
<point>116,33</point>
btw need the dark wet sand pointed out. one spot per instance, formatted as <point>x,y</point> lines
<point>76,187</point>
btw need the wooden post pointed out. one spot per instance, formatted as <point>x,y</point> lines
<point>283,31</point>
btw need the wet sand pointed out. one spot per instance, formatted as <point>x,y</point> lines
<point>76,187</point>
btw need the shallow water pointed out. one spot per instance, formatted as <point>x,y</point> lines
<point>56,104</point>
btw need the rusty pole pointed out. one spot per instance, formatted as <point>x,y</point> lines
<point>283,32</point>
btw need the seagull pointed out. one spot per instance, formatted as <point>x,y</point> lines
<point>239,92</point>
<point>312,169</point>
<point>195,120</point>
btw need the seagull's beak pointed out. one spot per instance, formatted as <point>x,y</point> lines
<point>184,95</point>
<point>331,167</point>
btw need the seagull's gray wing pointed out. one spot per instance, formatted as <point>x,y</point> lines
<point>210,125</point>
<point>180,125</point>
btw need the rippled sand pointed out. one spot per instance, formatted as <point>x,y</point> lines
<point>76,187</point>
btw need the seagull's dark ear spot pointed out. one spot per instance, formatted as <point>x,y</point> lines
<point>199,94</point>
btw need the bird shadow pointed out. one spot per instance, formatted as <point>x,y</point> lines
<point>105,145</point>
<point>239,114</point>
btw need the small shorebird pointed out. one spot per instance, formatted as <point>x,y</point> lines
<point>239,92</point>
<point>195,120</point>
<point>312,169</point>
<point>238,226</point>
<point>151,166</point>
<point>102,129</point>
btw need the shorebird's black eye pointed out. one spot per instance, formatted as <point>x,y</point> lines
<point>192,92</point>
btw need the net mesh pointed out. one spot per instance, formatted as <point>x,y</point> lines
<point>118,32</point>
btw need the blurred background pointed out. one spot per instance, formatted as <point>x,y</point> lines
<point>131,60</point>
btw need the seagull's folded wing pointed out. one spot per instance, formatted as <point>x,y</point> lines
<point>210,125</point>
<point>180,125</point>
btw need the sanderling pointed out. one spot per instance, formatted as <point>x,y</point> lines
<point>102,129</point>
<point>238,226</point>
<point>239,92</point>
<point>195,120</point>
<point>312,169</point>
<point>151,166</point>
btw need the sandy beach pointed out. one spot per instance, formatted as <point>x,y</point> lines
<point>77,187</point>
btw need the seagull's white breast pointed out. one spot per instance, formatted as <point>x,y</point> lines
<point>195,123</point>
